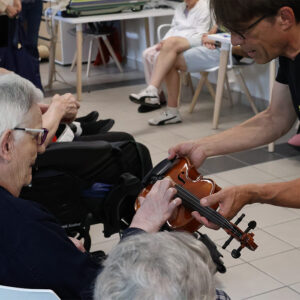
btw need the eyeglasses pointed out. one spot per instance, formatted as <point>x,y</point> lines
<point>40,134</point>
<point>242,34</point>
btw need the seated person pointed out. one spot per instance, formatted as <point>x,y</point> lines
<point>191,20</point>
<point>164,265</point>
<point>36,252</point>
<point>191,60</point>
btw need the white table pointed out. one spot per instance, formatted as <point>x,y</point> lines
<point>147,14</point>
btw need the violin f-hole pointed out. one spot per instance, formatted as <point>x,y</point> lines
<point>180,179</point>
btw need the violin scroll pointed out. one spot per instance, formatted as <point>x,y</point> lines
<point>245,238</point>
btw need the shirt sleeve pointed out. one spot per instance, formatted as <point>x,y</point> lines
<point>3,5</point>
<point>202,22</point>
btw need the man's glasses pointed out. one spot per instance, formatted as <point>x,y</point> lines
<point>40,134</point>
<point>246,30</point>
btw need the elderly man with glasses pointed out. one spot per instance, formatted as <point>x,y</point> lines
<point>35,252</point>
<point>265,30</point>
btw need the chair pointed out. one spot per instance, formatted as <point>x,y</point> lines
<point>231,65</point>
<point>93,33</point>
<point>13,293</point>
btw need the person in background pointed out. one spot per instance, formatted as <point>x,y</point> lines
<point>31,15</point>
<point>160,266</point>
<point>191,20</point>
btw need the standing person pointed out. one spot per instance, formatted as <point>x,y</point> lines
<point>191,20</point>
<point>31,17</point>
<point>265,30</point>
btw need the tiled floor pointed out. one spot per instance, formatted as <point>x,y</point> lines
<point>271,272</point>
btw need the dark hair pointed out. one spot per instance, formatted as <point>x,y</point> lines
<point>234,13</point>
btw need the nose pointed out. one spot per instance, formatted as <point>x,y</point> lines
<point>236,39</point>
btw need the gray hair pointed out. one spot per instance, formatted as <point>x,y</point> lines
<point>157,266</point>
<point>17,95</point>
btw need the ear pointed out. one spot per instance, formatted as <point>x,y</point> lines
<point>287,17</point>
<point>6,145</point>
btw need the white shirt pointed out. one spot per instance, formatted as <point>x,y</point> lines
<point>3,5</point>
<point>192,25</point>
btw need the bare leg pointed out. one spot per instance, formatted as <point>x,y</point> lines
<point>167,58</point>
<point>172,80</point>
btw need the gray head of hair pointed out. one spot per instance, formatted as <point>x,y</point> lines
<point>158,266</point>
<point>17,95</point>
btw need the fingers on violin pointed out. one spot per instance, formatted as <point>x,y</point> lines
<point>175,203</point>
<point>204,221</point>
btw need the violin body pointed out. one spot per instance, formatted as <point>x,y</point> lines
<point>191,187</point>
<point>185,174</point>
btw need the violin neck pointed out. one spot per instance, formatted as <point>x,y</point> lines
<point>191,202</point>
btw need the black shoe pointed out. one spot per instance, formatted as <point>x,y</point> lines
<point>145,108</point>
<point>100,126</point>
<point>91,117</point>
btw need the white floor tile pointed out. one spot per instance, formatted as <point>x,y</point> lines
<point>284,267</point>
<point>245,281</point>
<point>245,175</point>
<point>296,287</point>
<point>280,294</point>
<point>280,168</point>
<point>267,215</point>
<point>288,232</point>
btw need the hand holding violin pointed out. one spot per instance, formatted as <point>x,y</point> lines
<point>191,149</point>
<point>230,200</point>
<point>156,207</point>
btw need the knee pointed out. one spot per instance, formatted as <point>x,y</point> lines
<point>172,44</point>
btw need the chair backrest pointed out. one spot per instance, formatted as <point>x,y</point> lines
<point>13,293</point>
<point>161,31</point>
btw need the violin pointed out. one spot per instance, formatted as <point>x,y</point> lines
<point>191,186</point>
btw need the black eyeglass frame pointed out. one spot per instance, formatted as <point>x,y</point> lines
<point>43,131</point>
<point>242,35</point>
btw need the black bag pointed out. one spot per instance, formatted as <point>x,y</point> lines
<point>13,54</point>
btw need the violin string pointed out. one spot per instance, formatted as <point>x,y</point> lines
<point>208,212</point>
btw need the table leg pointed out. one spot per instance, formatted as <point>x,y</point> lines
<point>79,61</point>
<point>220,87</point>
<point>147,35</point>
<point>51,70</point>
<point>272,70</point>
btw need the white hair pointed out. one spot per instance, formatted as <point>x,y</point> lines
<point>158,266</point>
<point>17,96</point>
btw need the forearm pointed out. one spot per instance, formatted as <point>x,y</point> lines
<point>257,131</point>
<point>51,120</point>
<point>285,194</point>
